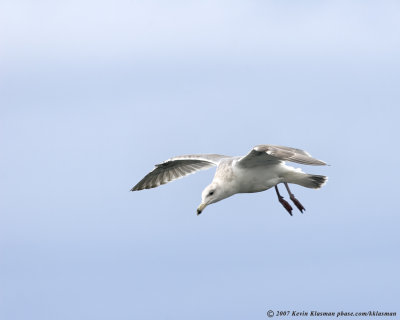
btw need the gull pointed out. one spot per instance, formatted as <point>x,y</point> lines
<point>262,168</point>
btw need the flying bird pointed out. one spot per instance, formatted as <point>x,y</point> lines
<point>261,169</point>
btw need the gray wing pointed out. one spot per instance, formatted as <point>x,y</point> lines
<point>268,154</point>
<point>176,168</point>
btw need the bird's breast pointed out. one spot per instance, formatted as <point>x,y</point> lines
<point>257,179</point>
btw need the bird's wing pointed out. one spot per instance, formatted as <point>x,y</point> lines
<point>177,167</point>
<point>267,154</point>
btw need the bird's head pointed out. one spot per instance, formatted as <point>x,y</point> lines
<point>211,194</point>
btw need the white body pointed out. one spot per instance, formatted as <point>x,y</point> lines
<point>254,179</point>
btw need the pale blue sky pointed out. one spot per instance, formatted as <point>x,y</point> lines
<point>93,94</point>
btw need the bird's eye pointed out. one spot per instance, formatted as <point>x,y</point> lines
<point>211,193</point>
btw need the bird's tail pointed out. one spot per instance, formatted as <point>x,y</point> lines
<point>312,181</point>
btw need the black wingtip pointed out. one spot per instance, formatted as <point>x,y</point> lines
<point>135,188</point>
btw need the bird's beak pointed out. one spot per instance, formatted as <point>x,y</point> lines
<point>201,208</point>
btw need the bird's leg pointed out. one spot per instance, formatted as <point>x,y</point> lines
<point>293,198</point>
<point>285,204</point>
